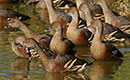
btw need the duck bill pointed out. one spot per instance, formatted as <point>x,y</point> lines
<point>20,50</point>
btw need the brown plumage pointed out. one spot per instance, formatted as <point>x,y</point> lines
<point>19,48</point>
<point>57,63</point>
<point>59,44</point>
<point>107,28</point>
<point>100,50</point>
<point>117,21</point>
<point>44,39</point>
<point>77,35</point>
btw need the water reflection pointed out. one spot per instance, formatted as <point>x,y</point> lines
<point>12,68</point>
<point>100,70</point>
<point>22,68</point>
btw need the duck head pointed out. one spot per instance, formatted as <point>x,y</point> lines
<point>56,26</point>
<point>97,24</point>
<point>85,8</point>
<point>73,12</point>
<point>15,23</point>
<point>19,48</point>
<point>22,49</point>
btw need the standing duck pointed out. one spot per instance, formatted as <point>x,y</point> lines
<point>108,29</point>
<point>96,9</point>
<point>59,44</point>
<point>100,50</point>
<point>57,63</point>
<point>53,14</point>
<point>9,13</point>
<point>117,21</point>
<point>77,35</point>
<point>43,38</point>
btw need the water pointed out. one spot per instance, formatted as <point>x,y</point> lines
<point>15,68</point>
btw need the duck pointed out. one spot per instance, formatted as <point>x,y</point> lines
<point>58,4</point>
<point>54,15</point>
<point>122,22</point>
<point>19,48</point>
<point>109,31</point>
<point>43,39</point>
<point>57,63</point>
<point>42,11</point>
<point>6,14</point>
<point>78,36</point>
<point>96,9</point>
<point>41,4</point>
<point>59,44</point>
<point>100,50</point>
<point>9,13</point>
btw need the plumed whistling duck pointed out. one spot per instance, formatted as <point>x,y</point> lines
<point>41,4</point>
<point>77,35</point>
<point>100,50</point>
<point>53,14</point>
<point>117,21</point>
<point>57,63</point>
<point>58,4</point>
<point>19,48</point>
<point>9,13</point>
<point>96,9</point>
<point>108,29</point>
<point>42,11</point>
<point>43,38</point>
<point>59,44</point>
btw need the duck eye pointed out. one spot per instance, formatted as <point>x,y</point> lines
<point>28,41</point>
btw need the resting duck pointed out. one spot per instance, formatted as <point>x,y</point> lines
<point>77,35</point>
<point>41,4</point>
<point>96,9</point>
<point>54,15</point>
<point>109,31</point>
<point>58,4</point>
<point>100,50</point>
<point>9,13</point>
<point>57,63</point>
<point>6,13</point>
<point>59,44</point>
<point>118,21</point>
<point>44,39</point>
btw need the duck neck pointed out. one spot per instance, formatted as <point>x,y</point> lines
<point>51,10</point>
<point>43,56</point>
<point>74,22</point>
<point>109,16</point>
<point>88,16</point>
<point>28,32</point>
<point>98,35</point>
<point>79,2</point>
<point>58,35</point>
